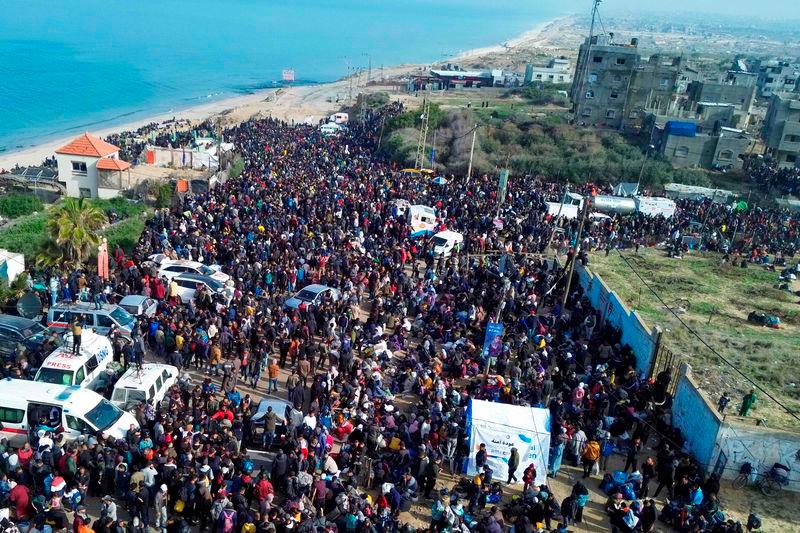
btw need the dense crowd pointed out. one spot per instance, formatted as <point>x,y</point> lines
<point>378,377</point>
<point>168,134</point>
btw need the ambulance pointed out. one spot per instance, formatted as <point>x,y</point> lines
<point>27,407</point>
<point>422,220</point>
<point>87,369</point>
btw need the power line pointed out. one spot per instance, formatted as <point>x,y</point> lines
<point>704,343</point>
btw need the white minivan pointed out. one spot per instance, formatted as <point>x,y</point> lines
<point>86,369</point>
<point>137,386</point>
<point>447,242</point>
<point>72,411</point>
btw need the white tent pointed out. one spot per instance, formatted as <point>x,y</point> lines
<point>503,426</point>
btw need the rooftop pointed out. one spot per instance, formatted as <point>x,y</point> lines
<point>88,145</point>
<point>107,163</point>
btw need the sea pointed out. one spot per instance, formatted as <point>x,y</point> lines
<point>72,65</point>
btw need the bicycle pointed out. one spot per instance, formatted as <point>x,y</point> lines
<point>770,483</point>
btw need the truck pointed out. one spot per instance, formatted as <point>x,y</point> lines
<point>615,205</point>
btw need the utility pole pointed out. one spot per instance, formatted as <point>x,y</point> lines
<point>736,227</point>
<point>380,137</point>
<point>575,255</point>
<point>558,215</point>
<point>369,67</point>
<point>419,160</point>
<point>471,153</point>
<point>641,172</point>
<point>580,95</point>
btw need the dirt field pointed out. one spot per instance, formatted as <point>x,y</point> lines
<point>715,302</point>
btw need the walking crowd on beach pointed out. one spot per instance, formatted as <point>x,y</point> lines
<point>376,376</point>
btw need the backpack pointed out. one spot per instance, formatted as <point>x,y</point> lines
<point>227,520</point>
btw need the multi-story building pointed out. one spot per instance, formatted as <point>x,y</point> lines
<point>557,70</point>
<point>778,76</point>
<point>652,89</point>
<point>602,78</point>
<point>741,97</point>
<point>782,130</point>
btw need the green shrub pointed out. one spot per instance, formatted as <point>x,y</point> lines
<point>237,167</point>
<point>17,205</point>
<point>125,234</point>
<point>25,235</point>
<point>164,194</point>
<point>121,206</point>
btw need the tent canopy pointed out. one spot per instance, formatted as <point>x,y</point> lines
<point>503,426</point>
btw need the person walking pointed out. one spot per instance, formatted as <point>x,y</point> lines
<point>748,402</point>
<point>161,503</point>
<point>274,371</point>
<point>513,464</point>
<point>632,459</point>
<point>591,453</point>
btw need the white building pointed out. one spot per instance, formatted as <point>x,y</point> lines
<point>558,70</point>
<point>90,167</point>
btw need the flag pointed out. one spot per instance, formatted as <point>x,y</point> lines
<point>288,74</point>
<point>502,183</point>
<point>433,155</point>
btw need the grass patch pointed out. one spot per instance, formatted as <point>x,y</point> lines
<point>24,235</point>
<point>125,234</point>
<point>121,206</point>
<point>715,302</point>
<point>17,205</point>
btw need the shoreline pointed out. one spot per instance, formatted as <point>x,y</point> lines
<point>296,103</point>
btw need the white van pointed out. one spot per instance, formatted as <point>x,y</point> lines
<point>139,386</point>
<point>422,220</point>
<point>446,242</point>
<point>86,369</point>
<point>72,411</point>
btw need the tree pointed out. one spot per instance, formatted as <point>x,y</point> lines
<point>73,233</point>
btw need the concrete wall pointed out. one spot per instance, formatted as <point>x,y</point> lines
<point>760,446</point>
<point>75,182</point>
<point>642,339</point>
<point>697,419</point>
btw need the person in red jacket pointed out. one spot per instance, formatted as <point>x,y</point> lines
<point>20,498</point>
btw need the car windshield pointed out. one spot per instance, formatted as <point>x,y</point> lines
<point>34,330</point>
<point>122,317</point>
<point>132,309</point>
<point>439,241</point>
<point>103,415</point>
<point>306,295</point>
<point>54,376</point>
<point>213,284</point>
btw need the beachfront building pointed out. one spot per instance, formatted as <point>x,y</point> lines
<point>557,70</point>
<point>89,167</point>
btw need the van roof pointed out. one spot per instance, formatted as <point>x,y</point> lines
<point>83,307</point>
<point>91,344</point>
<point>133,379</point>
<point>21,390</point>
<point>447,234</point>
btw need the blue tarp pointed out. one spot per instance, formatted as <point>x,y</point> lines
<point>680,129</point>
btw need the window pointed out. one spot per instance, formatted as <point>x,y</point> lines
<point>792,138</point>
<point>159,383</point>
<point>561,78</point>
<point>616,78</point>
<point>176,268</point>
<point>620,61</point>
<point>664,83</point>
<point>614,95</point>
<point>10,334</point>
<point>791,158</point>
<point>55,376</point>
<point>77,424</point>
<point>85,193</point>
<point>589,94</point>
<point>80,375</point>
<point>104,321</point>
<point>152,391</point>
<point>726,155</point>
<point>587,112</point>
<point>538,76</point>
<point>91,364</point>
<point>78,167</point>
<point>634,114</point>
<point>165,375</point>
<point>11,416</point>
<point>682,151</point>
<point>592,78</point>
<point>611,113</point>
<point>550,77</point>
<point>598,59</point>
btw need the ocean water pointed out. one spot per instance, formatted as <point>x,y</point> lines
<point>73,65</point>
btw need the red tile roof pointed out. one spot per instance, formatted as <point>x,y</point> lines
<point>112,164</point>
<point>88,145</point>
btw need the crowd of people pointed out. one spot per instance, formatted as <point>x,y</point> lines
<point>168,134</point>
<point>377,375</point>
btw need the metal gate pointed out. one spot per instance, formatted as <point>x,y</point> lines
<point>665,359</point>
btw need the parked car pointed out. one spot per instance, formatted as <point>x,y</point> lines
<point>138,305</point>
<point>188,284</point>
<point>169,268</point>
<point>137,386</point>
<point>16,330</point>
<point>283,409</point>
<point>312,295</point>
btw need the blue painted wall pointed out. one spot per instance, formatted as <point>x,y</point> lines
<point>697,420</point>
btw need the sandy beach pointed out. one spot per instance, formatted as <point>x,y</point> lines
<point>313,102</point>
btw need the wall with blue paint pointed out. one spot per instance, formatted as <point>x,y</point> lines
<point>697,419</point>
<point>641,338</point>
<point>743,442</point>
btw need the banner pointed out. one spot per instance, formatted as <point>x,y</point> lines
<point>501,185</point>
<point>288,74</point>
<point>502,427</point>
<point>493,342</point>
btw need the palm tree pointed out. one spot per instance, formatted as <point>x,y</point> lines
<point>73,231</point>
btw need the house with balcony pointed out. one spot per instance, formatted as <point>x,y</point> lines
<point>89,167</point>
